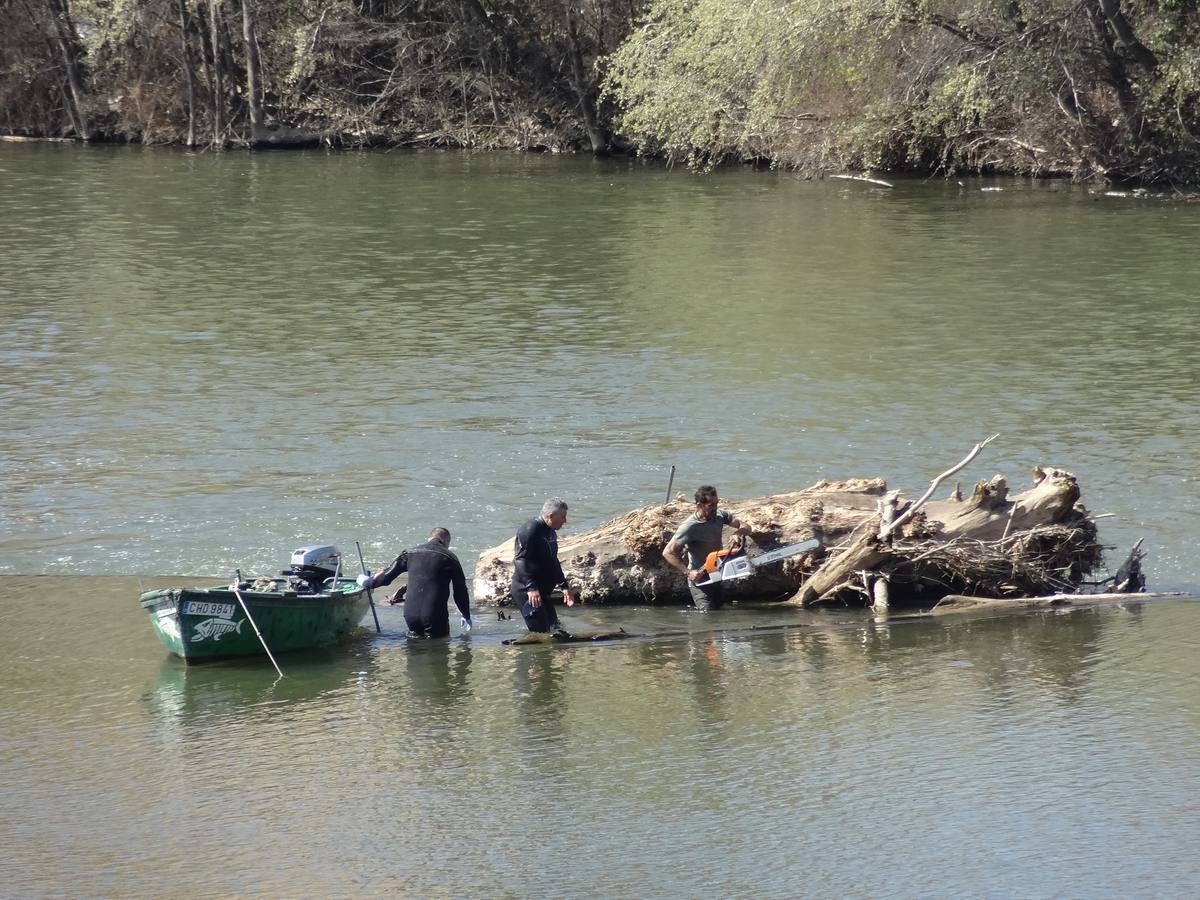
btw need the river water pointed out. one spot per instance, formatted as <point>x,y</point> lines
<point>208,360</point>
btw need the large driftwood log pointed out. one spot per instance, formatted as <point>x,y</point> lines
<point>989,544</point>
<point>621,561</point>
<point>1036,542</point>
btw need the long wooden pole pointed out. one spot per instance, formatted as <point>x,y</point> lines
<point>254,625</point>
<point>363,565</point>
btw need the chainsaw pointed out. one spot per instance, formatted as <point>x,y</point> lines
<point>726,565</point>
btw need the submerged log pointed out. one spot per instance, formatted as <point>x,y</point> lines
<point>875,548</point>
<point>953,603</point>
<point>568,637</point>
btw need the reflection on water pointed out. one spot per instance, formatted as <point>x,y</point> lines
<point>1055,647</point>
<point>206,695</point>
<point>744,752</point>
<point>438,677</point>
<point>539,688</point>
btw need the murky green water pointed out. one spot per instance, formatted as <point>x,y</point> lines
<point>1048,754</point>
<point>207,360</point>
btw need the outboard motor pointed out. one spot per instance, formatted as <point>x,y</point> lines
<point>313,565</point>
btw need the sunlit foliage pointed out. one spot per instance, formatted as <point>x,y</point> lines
<point>1087,87</point>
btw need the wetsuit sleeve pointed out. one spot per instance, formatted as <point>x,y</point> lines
<point>459,581</point>
<point>388,575</point>
<point>524,567</point>
<point>559,577</point>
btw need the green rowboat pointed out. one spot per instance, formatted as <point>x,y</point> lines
<point>202,624</point>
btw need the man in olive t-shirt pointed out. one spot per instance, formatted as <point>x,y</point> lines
<point>700,535</point>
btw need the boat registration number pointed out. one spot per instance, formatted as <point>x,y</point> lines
<point>203,608</point>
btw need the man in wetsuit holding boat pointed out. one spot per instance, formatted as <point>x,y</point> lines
<point>536,569</point>
<point>700,535</point>
<point>432,570</point>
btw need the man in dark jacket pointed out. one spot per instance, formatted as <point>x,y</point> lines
<point>432,569</point>
<point>536,569</point>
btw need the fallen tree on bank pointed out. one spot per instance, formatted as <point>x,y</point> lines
<point>876,548</point>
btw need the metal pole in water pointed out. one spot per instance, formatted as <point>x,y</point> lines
<point>253,624</point>
<point>362,564</point>
<point>670,483</point>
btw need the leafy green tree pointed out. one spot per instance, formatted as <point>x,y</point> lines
<point>1089,87</point>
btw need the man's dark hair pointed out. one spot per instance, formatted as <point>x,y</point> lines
<point>440,534</point>
<point>705,492</point>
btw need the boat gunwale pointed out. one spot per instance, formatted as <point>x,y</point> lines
<point>216,593</point>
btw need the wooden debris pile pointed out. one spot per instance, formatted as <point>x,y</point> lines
<point>621,560</point>
<point>876,548</point>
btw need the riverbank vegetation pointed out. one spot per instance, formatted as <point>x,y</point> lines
<point>1093,89</point>
<point>454,73</point>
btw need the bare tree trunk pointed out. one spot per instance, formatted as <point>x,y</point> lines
<point>585,90</point>
<point>72,114</point>
<point>203,32</point>
<point>189,77</point>
<point>1125,35</point>
<point>866,554</point>
<point>214,15</point>
<point>466,100</point>
<point>496,47</point>
<point>68,44</point>
<point>51,53</point>
<point>253,72</point>
<point>1118,77</point>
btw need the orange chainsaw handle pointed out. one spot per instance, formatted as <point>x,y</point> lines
<point>715,560</point>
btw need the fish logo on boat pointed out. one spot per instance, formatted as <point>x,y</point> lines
<point>169,624</point>
<point>215,628</point>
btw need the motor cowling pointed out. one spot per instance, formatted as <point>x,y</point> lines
<point>315,564</point>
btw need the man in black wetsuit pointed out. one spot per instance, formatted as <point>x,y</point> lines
<point>431,569</point>
<point>536,570</point>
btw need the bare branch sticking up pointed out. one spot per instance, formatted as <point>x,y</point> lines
<point>887,530</point>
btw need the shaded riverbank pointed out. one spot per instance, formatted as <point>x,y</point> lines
<point>1098,92</point>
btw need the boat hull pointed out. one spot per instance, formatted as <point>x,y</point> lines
<point>203,624</point>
